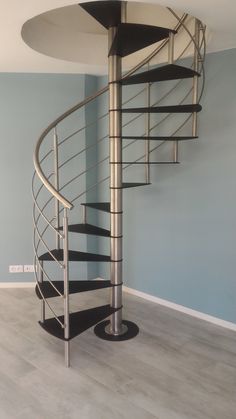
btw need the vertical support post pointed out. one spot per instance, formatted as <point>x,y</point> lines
<point>195,78</point>
<point>147,133</point>
<point>56,184</point>
<point>171,48</point>
<point>66,289</point>
<point>116,193</point>
<point>40,267</point>
<point>84,214</point>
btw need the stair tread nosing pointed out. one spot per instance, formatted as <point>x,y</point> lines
<point>164,73</point>
<point>155,138</point>
<point>74,287</point>
<point>79,321</point>
<point>101,206</point>
<point>131,37</point>
<point>165,109</point>
<point>75,256</point>
<point>88,229</point>
<point>133,184</point>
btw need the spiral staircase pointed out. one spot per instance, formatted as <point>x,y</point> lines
<point>57,204</point>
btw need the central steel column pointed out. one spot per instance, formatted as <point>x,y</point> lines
<point>116,192</point>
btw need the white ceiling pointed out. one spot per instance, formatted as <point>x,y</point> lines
<point>16,56</point>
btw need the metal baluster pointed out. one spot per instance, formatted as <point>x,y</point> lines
<point>171,48</point>
<point>195,78</point>
<point>66,289</point>
<point>147,132</point>
<point>84,214</point>
<point>56,184</point>
<point>40,267</point>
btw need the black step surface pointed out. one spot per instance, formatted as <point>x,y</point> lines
<point>133,137</point>
<point>131,37</point>
<point>101,206</point>
<point>165,109</point>
<point>74,287</point>
<point>167,72</point>
<point>150,162</point>
<point>75,256</point>
<point>79,321</point>
<point>133,185</point>
<point>88,229</point>
<point>108,13</point>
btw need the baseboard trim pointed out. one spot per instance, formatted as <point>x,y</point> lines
<point>17,284</point>
<point>182,309</point>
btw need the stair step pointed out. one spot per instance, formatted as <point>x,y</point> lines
<point>133,137</point>
<point>75,256</point>
<point>74,287</point>
<point>131,37</point>
<point>79,321</point>
<point>151,162</point>
<point>108,13</point>
<point>133,185</point>
<point>88,229</point>
<point>101,206</point>
<point>165,109</point>
<point>167,72</point>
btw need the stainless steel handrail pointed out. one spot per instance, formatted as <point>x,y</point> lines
<point>38,169</point>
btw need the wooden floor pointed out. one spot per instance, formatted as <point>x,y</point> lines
<point>177,368</point>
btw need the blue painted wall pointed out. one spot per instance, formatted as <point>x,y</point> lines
<point>28,103</point>
<point>180,233</point>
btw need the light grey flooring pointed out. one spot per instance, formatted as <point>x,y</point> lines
<point>177,368</point>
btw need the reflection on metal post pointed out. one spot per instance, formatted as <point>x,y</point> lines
<point>66,289</point>
<point>195,79</point>
<point>56,184</point>
<point>116,193</point>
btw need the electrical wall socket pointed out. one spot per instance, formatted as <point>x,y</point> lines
<point>29,268</point>
<point>16,269</point>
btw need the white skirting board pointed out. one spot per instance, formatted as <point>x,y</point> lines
<point>182,309</point>
<point>148,297</point>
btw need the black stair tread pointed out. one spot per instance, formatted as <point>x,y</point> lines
<point>101,206</point>
<point>133,137</point>
<point>88,229</point>
<point>165,109</point>
<point>131,37</point>
<point>79,321</point>
<point>133,185</point>
<point>150,162</point>
<point>108,13</point>
<point>74,287</point>
<point>166,72</point>
<point>75,256</point>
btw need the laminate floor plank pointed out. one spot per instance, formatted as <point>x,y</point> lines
<point>178,367</point>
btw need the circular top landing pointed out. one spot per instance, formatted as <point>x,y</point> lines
<point>71,34</point>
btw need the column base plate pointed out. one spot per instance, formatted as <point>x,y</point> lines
<point>132,330</point>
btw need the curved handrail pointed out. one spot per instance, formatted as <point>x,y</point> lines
<point>66,203</point>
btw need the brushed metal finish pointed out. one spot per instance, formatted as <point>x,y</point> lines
<point>195,79</point>
<point>116,195</point>
<point>147,131</point>
<point>56,184</point>
<point>66,288</point>
<point>171,48</point>
<point>42,303</point>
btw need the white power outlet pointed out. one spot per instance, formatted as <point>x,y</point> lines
<point>29,268</point>
<point>16,269</point>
